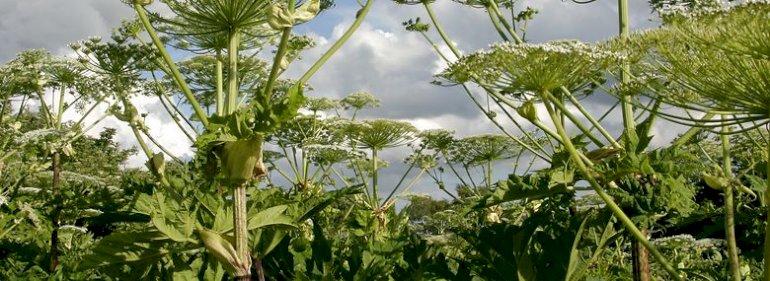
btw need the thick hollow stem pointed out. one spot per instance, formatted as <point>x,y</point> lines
<point>641,266</point>
<point>220,85</point>
<point>732,245</point>
<point>626,104</point>
<point>232,77</point>
<point>375,172</point>
<point>259,269</point>
<point>240,221</point>
<point>55,191</point>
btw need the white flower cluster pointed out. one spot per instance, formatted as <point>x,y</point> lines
<point>72,176</point>
<point>35,135</point>
<point>688,241</point>
<point>674,239</point>
<point>91,212</point>
<point>28,190</point>
<point>698,8</point>
<point>519,69</point>
<point>567,47</point>
<point>30,213</point>
<point>73,228</point>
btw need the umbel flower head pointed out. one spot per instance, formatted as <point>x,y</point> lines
<point>523,69</point>
<point>380,133</point>
<point>438,140</point>
<point>331,154</point>
<point>307,130</point>
<point>119,60</point>
<point>321,104</point>
<point>360,100</point>
<point>475,150</point>
<point>718,62</point>
<point>26,73</point>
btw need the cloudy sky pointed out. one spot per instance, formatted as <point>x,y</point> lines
<point>381,58</point>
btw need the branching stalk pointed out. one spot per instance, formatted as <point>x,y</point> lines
<point>732,245</point>
<point>616,210</point>
<point>171,65</point>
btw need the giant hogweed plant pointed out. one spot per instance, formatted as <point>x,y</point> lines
<point>33,74</point>
<point>548,74</point>
<point>717,63</point>
<point>232,141</point>
<point>325,151</point>
<point>634,140</point>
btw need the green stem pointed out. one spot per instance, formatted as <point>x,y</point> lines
<point>88,112</point>
<point>220,84</point>
<point>175,118</point>
<point>46,110</point>
<point>375,196</point>
<point>241,233</point>
<point>626,102</point>
<point>6,103</point>
<point>457,53</point>
<point>337,45</point>
<point>518,125</point>
<point>614,208</point>
<point>590,118</point>
<point>142,144</point>
<point>162,148</point>
<point>171,65</point>
<point>732,245</point>
<point>233,88</point>
<point>340,176</point>
<point>489,174</point>
<point>496,23</point>
<point>454,171</point>
<point>274,71</point>
<point>22,106</point>
<point>684,138</point>
<point>178,112</point>
<point>511,31</point>
<point>414,181</point>
<point>440,29</point>
<point>470,178</point>
<point>56,193</point>
<point>400,181</point>
<point>60,109</point>
<point>575,121</point>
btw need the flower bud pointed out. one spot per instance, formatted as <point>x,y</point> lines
<point>242,160</point>
<point>528,111</point>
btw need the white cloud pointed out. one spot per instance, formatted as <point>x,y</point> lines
<point>382,58</point>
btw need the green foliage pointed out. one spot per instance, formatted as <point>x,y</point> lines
<point>312,211</point>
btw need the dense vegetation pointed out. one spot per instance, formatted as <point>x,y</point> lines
<point>288,186</point>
